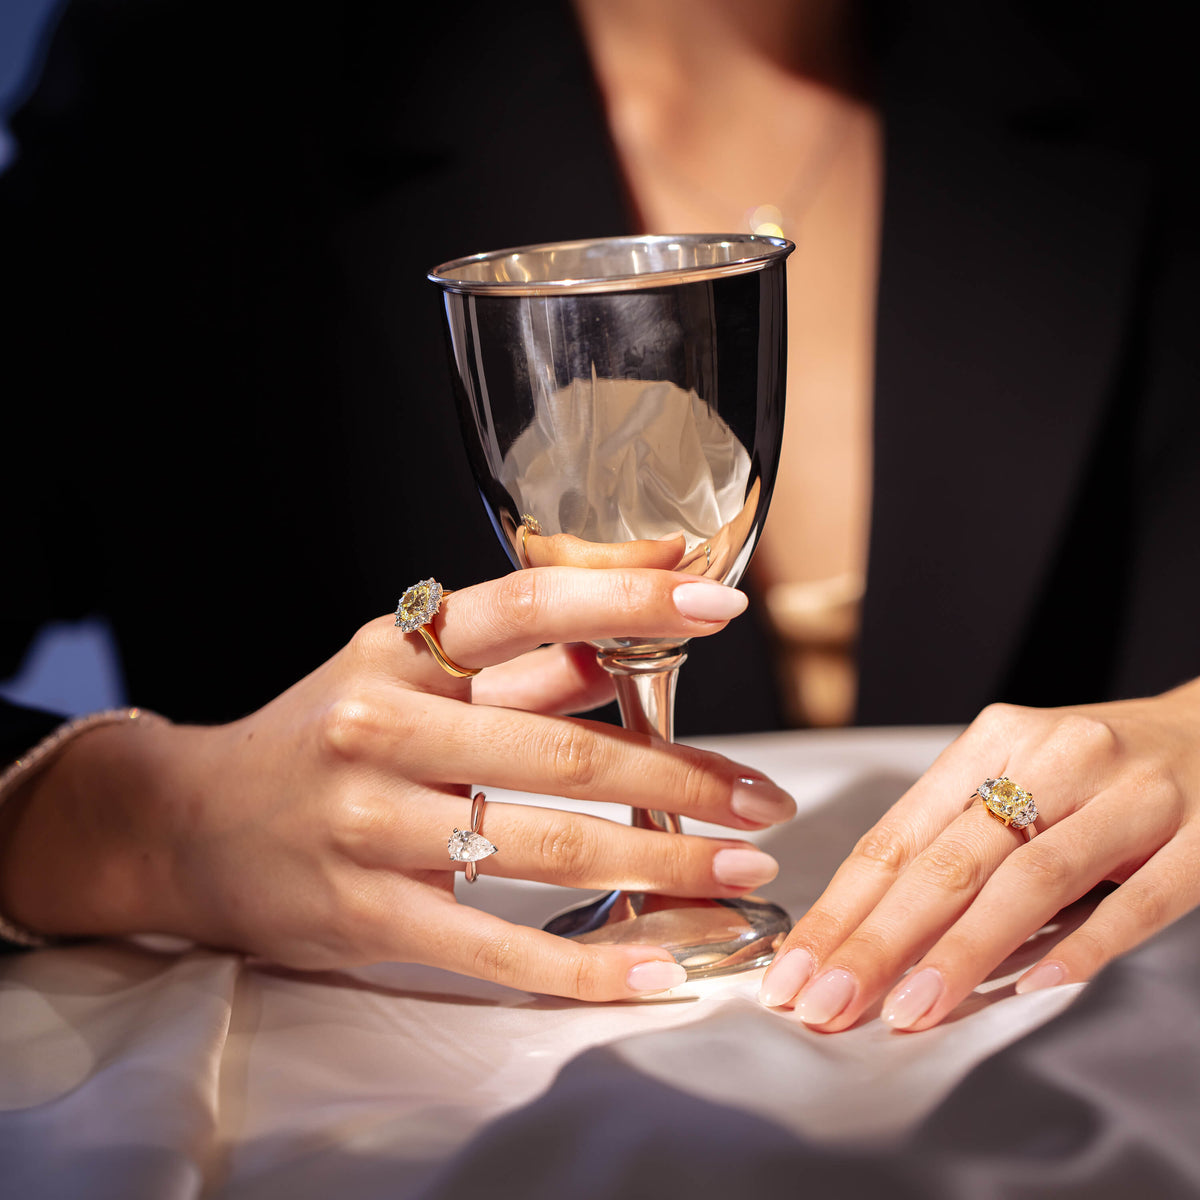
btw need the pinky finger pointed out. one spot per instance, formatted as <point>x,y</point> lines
<point>478,944</point>
<point>1163,889</point>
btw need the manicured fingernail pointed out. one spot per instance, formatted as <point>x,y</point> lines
<point>915,996</point>
<point>708,601</point>
<point>1045,974</point>
<point>788,974</point>
<point>823,999</point>
<point>655,977</point>
<point>761,801</point>
<point>737,867</point>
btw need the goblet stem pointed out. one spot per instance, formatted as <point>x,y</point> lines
<point>706,937</point>
<point>646,695</point>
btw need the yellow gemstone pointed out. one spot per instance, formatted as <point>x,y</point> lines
<point>1008,801</point>
<point>418,606</point>
<point>1007,793</point>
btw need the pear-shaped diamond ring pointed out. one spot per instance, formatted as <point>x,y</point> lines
<point>469,845</point>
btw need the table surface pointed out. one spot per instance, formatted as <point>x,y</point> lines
<point>138,1070</point>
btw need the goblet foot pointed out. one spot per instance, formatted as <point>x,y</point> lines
<point>706,937</point>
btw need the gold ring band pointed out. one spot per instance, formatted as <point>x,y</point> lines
<point>529,524</point>
<point>1008,802</point>
<point>414,614</point>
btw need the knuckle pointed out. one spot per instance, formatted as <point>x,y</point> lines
<point>819,931</point>
<point>585,977</point>
<point>1154,782</point>
<point>694,788</point>
<point>868,945</point>
<point>356,825</point>
<point>1151,904</point>
<point>951,868</point>
<point>1042,865</point>
<point>517,602</point>
<point>350,727</point>
<point>371,643</point>
<point>682,861</point>
<point>997,718</point>
<point>627,592</point>
<point>353,920</point>
<point>1085,734</point>
<point>1089,949</point>
<point>884,846</point>
<point>568,851</point>
<point>573,755</point>
<point>494,958</point>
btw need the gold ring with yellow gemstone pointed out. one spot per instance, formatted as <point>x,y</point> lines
<point>1008,802</point>
<point>414,614</point>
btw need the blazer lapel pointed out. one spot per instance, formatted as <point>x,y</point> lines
<point>1009,252</point>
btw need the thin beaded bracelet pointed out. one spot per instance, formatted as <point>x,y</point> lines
<point>35,760</point>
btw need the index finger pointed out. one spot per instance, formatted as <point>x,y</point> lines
<point>493,622</point>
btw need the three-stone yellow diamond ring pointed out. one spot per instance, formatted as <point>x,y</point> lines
<point>414,614</point>
<point>1008,802</point>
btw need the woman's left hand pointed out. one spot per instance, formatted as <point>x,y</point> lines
<point>941,883</point>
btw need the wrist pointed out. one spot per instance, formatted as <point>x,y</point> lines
<point>74,861</point>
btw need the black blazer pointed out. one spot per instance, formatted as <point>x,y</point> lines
<point>229,421</point>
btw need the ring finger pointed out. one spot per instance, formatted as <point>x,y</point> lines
<point>547,845</point>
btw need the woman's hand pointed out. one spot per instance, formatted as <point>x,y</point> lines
<point>313,832</point>
<point>941,883</point>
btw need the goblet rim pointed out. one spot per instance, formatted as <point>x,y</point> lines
<point>744,253</point>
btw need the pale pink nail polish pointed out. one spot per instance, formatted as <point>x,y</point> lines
<point>915,996</point>
<point>824,998</point>
<point>787,975</point>
<point>738,867</point>
<point>761,801</point>
<point>655,976</point>
<point>705,601</point>
<point>1045,974</point>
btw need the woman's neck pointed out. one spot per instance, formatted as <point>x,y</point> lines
<point>724,101</point>
<point>699,40</point>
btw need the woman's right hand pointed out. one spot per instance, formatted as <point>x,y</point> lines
<point>313,832</point>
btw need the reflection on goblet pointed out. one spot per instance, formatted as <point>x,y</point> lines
<point>622,405</point>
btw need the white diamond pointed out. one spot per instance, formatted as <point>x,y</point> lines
<point>1025,816</point>
<point>465,846</point>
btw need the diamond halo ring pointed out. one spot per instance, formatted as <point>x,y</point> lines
<point>469,845</point>
<point>414,614</point>
<point>1008,802</point>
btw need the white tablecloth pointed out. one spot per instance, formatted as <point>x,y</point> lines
<point>130,1071</point>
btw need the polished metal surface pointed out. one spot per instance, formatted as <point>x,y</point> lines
<point>604,264</point>
<point>706,937</point>
<point>621,401</point>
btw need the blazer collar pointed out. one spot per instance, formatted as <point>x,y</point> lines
<point>1011,231</point>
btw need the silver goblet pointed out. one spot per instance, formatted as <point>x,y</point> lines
<point>622,404</point>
